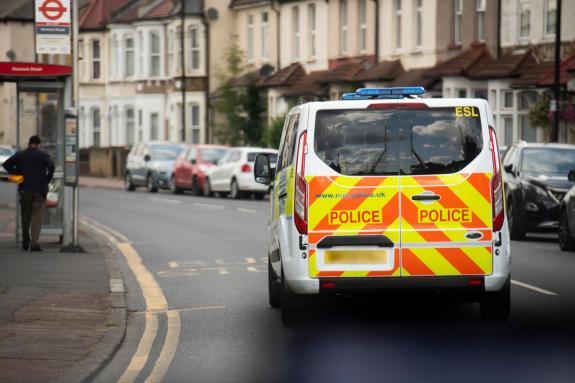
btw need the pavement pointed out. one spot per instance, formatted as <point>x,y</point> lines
<point>59,320</point>
<point>101,182</point>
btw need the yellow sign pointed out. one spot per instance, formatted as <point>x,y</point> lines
<point>364,217</point>
<point>443,215</point>
<point>466,111</point>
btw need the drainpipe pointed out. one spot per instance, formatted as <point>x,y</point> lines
<point>499,28</point>
<point>554,136</point>
<point>276,9</point>
<point>207,83</point>
<point>376,50</point>
<point>183,64</point>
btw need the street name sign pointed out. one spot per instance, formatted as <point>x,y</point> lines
<point>53,27</point>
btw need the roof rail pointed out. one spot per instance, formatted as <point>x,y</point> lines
<point>384,93</point>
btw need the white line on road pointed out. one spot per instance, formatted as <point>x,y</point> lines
<point>534,288</point>
<point>251,211</point>
<point>208,206</point>
<point>166,200</point>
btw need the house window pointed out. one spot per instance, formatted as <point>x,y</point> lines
<point>154,54</point>
<point>480,11</point>
<point>130,125</point>
<point>507,99</point>
<point>311,30</point>
<point>170,68</point>
<point>457,19</point>
<point>525,100</point>
<point>550,17</point>
<point>480,93</point>
<point>419,23</point>
<point>362,10</point>
<point>295,32</point>
<point>195,48</point>
<point>343,26</point>
<point>195,123</point>
<point>113,61</point>
<point>154,126</point>
<point>180,54</point>
<point>524,19</point>
<point>398,24</point>
<point>129,57</point>
<point>96,59</point>
<point>508,130</point>
<point>141,53</point>
<point>461,93</point>
<point>528,133</point>
<point>250,34</point>
<point>264,35</point>
<point>96,126</point>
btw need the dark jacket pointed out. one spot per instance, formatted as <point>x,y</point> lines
<point>36,167</point>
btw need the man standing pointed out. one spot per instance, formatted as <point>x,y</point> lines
<point>37,169</point>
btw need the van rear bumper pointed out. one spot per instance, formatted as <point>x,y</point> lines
<point>467,285</point>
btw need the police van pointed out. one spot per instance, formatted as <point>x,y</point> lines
<point>387,191</point>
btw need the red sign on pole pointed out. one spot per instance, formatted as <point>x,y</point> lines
<point>53,26</point>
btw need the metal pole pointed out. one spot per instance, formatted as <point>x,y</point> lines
<point>76,104</point>
<point>183,62</point>
<point>554,136</point>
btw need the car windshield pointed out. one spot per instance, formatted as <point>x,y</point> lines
<point>212,154</point>
<point>6,152</point>
<point>165,152</point>
<point>548,161</point>
<point>273,156</point>
<point>387,142</point>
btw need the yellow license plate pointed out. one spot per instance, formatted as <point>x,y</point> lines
<point>347,257</point>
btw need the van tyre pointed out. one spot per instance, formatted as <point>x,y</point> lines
<point>516,230</point>
<point>128,185</point>
<point>151,185</point>
<point>274,287</point>
<point>208,188</point>
<point>496,306</point>
<point>566,240</point>
<point>294,307</point>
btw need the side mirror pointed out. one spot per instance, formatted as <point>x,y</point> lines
<point>571,175</point>
<point>508,168</point>
<point>193,161</point>
<point>147,158</point>
<point>263,172</point>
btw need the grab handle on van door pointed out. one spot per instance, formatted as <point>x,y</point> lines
<point>426,197</point>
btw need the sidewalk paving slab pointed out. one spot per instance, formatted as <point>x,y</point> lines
<point>101,182</point>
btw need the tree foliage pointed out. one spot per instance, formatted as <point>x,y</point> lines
<point>273,133</point>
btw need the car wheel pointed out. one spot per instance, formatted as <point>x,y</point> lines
<point>566,241</point>
<point>196,186</point>
<point>274,287</point>
<point>516,230</point>
<point>151,185</point>
<point>173,187</point>
<point>128,185</point>
<point>208,188</point>
<point>496,306</point>
<point>294,307</point>
<point>235,191</point>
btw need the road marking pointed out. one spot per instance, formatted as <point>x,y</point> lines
<point>166,200</point>
<point>251,211</point>
<point>208,206</point>
<point>534,288</point>
<point>155,302</point>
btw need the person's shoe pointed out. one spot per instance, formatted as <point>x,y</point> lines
<point>25,244</point>
<point>35,248</point>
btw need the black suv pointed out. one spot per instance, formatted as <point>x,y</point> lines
<point>535,184</point>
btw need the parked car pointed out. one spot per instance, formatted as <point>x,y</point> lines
<point>535,184</point>
<point>233,174</point>
<point>191,165</point>
<point>151,165</point>
<point>5,153</point>
<point>567,217</point>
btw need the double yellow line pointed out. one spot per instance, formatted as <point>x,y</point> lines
<point>156,304</point>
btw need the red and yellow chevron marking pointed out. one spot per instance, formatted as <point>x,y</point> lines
<point>446,261</point>
<point>315,273</point>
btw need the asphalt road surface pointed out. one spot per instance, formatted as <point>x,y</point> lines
<point>202,263</point>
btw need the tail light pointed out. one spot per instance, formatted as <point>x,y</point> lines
<point>246,168</point>
<point>496,184</point>
<point>300,200</point>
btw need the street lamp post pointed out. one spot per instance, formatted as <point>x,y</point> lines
<point>183,65</point>
<point>554,136</point>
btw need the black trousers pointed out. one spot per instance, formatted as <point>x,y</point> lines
<point>32,213</point>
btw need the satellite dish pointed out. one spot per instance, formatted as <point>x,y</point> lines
<point>212,14</point>
<point>11,55</point>
<point>266,70</point>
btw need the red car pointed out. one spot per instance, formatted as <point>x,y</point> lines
<point>191,165</point>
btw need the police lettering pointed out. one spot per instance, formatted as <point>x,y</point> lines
<point>443,215</point>
<point>340,217</point>
<point>465,111</point>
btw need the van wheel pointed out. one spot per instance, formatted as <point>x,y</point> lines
<point>294,307</point>
<point>516,230</point>
<point>495,306</point>
<point>173,187</point>
<point>566,241</point>
<point>151,185</point>
<point>208,188</point>
<point>128,185</point>
<point>235,191</point>
<point>274,287</point>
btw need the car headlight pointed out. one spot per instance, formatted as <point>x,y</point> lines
<point>533,188</point>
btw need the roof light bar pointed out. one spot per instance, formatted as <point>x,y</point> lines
<point>401,91</point>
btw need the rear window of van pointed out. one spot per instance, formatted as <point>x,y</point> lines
<point>390,142</point>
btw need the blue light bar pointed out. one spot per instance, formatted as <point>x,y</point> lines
<point>398,91</point>
<point>353,96</point>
